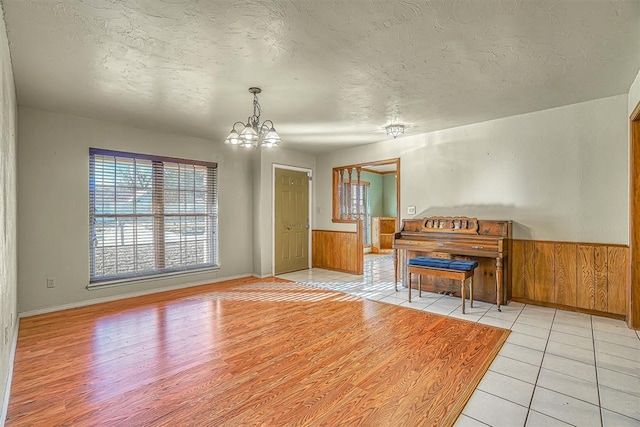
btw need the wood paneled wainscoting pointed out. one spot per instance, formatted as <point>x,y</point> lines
<point>338,250</point>
<point>585,277</point>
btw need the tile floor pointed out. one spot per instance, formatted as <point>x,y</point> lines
<point>557,368</point>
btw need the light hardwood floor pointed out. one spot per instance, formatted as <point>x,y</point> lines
<point>557,368</point>
<point>246,352</point>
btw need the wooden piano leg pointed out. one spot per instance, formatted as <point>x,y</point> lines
<point>403,261</point>
<point>463,295</point>
<point>498,282</point>
<point>395,269</point>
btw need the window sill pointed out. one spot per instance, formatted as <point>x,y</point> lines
<point>161,276</point>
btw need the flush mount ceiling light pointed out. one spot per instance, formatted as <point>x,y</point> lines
<point>254,134</point>
<point>395,130</point>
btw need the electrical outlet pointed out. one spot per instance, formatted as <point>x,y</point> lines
<point>411,210</point>
<point>51,282</point>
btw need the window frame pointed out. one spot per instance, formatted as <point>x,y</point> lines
<point>159,217</point>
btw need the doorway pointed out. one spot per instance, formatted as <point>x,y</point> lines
<point>291,227</point>
<point>382,214</point>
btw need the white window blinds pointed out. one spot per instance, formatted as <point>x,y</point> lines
<point>150,215</point>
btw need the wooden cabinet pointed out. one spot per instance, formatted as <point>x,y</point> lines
<point>382,230</point>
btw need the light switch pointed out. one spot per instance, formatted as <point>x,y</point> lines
<point>411,210</point>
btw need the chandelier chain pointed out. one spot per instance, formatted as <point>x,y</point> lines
<point>256,109</point>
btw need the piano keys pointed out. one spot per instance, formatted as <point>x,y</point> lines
<point>486,241</point>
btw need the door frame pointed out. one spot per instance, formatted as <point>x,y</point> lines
<point>633,292</point>
<point>273,211</point>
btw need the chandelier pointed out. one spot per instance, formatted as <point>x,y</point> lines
<point>254,134</point>
<point>395,130</point>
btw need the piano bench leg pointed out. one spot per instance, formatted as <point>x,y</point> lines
<point>409,284</point>
<point>462,292</point>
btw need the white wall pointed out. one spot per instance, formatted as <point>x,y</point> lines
<point>263,200</point>
<point>8,251</point>
<point>53,205</point>
<point>559,174</point>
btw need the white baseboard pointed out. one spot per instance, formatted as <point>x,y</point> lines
<point>262,276</point>
<point>128,295</point>
<point>7,390</point>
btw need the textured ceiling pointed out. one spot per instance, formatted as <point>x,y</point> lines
<point>333,73</point>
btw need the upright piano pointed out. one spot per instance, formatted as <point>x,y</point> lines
<point>486,241</point>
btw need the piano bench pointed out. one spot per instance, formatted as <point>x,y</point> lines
<point>446,268</point>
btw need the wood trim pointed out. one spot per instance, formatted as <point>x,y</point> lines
<point>359,256</point>
<point>620,245</point>
<point>635,115</point>
<point>587,277</point>
<point>633,288</point>
<point>569,308</point>
<point>375,163</point>
<point>398,213</point>
<point>335,231</point>
<point>377,172</point>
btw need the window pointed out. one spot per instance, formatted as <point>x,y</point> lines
<point>150,215</point>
